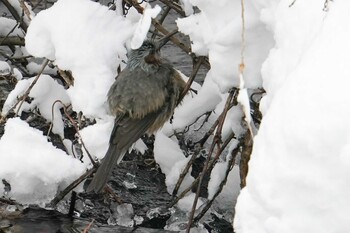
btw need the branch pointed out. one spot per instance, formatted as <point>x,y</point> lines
<point>192,76</point>
<point>75,127</point>
<point>15,15</point>
<point>189,188</point>
<point>25,95</point>
<point>184,172</point>
<point>229,167</point>
<point>174,6</point>
<point>12,40</point>
<point>247,147</point>
<point>231,99</point>
<point>70,187</point>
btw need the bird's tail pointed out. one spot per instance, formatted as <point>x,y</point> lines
<point>113,156</point>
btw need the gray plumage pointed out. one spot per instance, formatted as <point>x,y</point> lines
<point>142,99</point>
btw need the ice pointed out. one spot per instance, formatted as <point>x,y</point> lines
<point>129,181</point>
<point>178,222</point>
<point>124,214</point>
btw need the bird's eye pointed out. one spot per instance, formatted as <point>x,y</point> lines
<point>149,46</point>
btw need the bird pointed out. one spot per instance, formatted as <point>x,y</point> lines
<point>142,99</point>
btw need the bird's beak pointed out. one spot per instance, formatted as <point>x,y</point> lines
<point>165,39</point>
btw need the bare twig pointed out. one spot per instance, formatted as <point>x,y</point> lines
<point>290,5</point>
<point>161,20</point>
<point>229,167</point>
<point>210,132</point>
<point>8,34</point>
<point>88,227</point>
<point>36,5</point>
<point>184,172</point>
<point>109,190</point>
<point>187,128</point>
<point>248,138</point>
<point>220,150</point>
<point>174,6</point>
<point>25,9</point>
<point>192,76</point>
<point>326,5</point>
<point>12,40</point>
<point>247,147</point>
<point>207,115</point>
<point>53,115</point>
<point>70,187</point>
<point>179,43</point>
<point>136,5</point>
<point>189,188</point>
<point>15,15</point>
<point>25,95</point>
<point>75,127</point>
<point>216,142</point>
<point>73,199</point>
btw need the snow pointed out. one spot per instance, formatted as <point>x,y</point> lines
<point>171,160</point>
<point>218,36</point>
<point>96,137</point>
<point>9,26</point>
<point>5,68</point>
<point>44,93</point>
<point>91,47</point>
<point>291,44</point>
<point>35,169</point>
<point>220,41</point>
<point>20,11</point>
<point>185,203</point>
<point>298,173</point>
<point>143,25</point>
<point>187,7</point>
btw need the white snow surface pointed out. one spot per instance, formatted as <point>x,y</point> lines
<point>5,68</point>
<point>45,93</point>
<point>219,37</point>
<point>299,170</point>
<point>88,39</point>
<point>35,169</point>
<point>171,160</point>
<point>9,27</point>
<point>143,25</point>
<point>216,32</point>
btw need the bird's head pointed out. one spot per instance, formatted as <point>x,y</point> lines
<point>148,55</point>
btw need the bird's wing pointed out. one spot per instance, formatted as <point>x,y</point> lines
<point>128,130</point>
<point>139,93</point>
<point>125,132</point>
